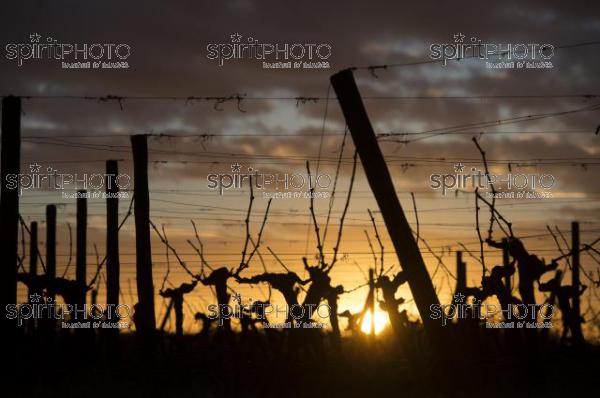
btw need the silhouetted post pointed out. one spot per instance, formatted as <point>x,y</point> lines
<point>35,291</point>
<point>9,200</point>
<point>51,246</point>
<point>461,283</point>
<point>506,263</point>
<point>167,315</point>
<point>575,250</point>
<point>112,237</point>
<point>461,273</point>
<point>33,257</point>
<point>382,186</point>
<point>80,265</point>
<point>145,287</point>
<point>372,301</point>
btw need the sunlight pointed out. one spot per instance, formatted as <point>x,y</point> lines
<point>381,321</point>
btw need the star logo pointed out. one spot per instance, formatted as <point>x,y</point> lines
<point>35,168</point>
<point>459,38</point>
<point>459,298</point>
<point>35,38</point>
<point>459,167</point>
<point>236,38</point>
<point>236,168</point>
<point>35,298</point>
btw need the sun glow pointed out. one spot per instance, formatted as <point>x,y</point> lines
<point>381,321</point>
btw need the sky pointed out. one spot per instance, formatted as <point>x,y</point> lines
<point>271,130</point>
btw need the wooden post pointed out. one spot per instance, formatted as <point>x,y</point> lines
<point>112,237</point>
<point>33,257</point>
<point>34,289</point>
<point>461,273</point>
<point>51,246</point>
<point>81,260</point>
<point>547,311</point>
<point>575,262</point>
<point>145,287</point>
<point>382,186</point>
<point>9,200</point>
<point>506,263</point>
<point>461,284</point>
<point>372,301</point>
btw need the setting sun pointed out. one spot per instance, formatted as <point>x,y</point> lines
<point>381,321</point>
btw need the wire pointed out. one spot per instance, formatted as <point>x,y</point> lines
<point>295,135</point>
<point>297,99</point>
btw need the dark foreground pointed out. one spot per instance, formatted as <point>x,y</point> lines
<point>96,366</point>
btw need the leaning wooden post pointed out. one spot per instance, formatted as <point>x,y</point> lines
<point>382,186</point>
<point>112,238</point>
<point>9,199</point>
<point>51,245</point>
<point>143,263</point>
<point>33,257</point>
<point>167,315</point>
<point>506,263</point>
<point>81,259</point>
<point>575,263</point>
